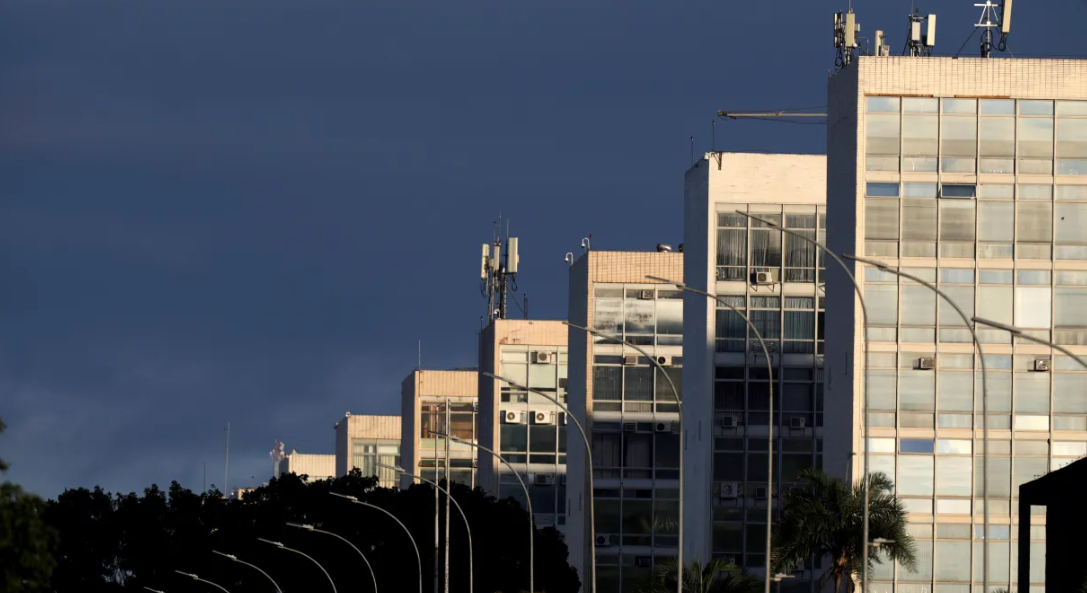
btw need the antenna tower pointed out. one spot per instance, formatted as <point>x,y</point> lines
<point>992,18</point>
<point>277,454</point>
<point>498,273</point>
<point>845,37</point>
<point>921,37</point>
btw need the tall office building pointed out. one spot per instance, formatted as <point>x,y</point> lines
<point>525,428</point>
<point>630,410</point>
<point>777,280</point>
<point>971,174</point>
<point>363,441</point>
<point>439,402</point>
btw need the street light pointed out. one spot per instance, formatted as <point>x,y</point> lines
<point>1019,333</point>
<point>864,396</point>
<point>345,540</point>
<point>418,558</point>
<point>196,578</point>
<point>152,590</point>
<point>528,501</point>
<point>449,497</point>
<point>236,559</point>
<point>308,557</point>
<point>679,406</point>
<point>881,541</point>
<point>769,422</point>
<point>984,398</point>
<point>588,459</point>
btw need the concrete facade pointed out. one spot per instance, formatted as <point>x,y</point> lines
<point>362,440</point>
<point>430,401</point>
<point>628,410</point>
<point>725,398</point>
<point>315,466</point>
<point>971,174</point>
<point>530,353</point>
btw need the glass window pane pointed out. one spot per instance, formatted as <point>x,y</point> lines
<point>920,135</point>
<point>1072,108</point>
<point>1033,277</point>
<point>1032,306</point>
<point>1034,191</point>
<point>996,191</point>
<point>997,107</point>
<point>1071,192</point>
<point>918,305</point>
<point>1036,138</point>
<point>731,247</point>
<point>881,219</point>
<point>926,105</point>
<point>883,134</point>
<point>883,104</point>
<point>1071,307</point>
<point>956,220</point>
<point>956,391</point>
<point>919,190</point>
<point>960,105</point>
<point>917,391</point>
<point>1072,138</point>
<point>919,220</point>
<point>917,446</point>
<point>1035,107</point>
<point>915,475</point>
<point>952,561</point>
<point>1072,223</point>
<point>1032,392</point>
<point>1035,222</point>
<point>995,303</point>
<point>996,221</point>
<point>960,136</point>
<point>923,553</point>
<point>997,136</point>
<point>882,303</point>
<point>885,190</point>
<point>963,296</point>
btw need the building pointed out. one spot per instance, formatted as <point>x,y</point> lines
<point>364,441</point>
<point>1060,562</point>
<point>525,428</point>
<point>777,280</point>
<point>972,174</point>
<point>442,402</point>
<point>315,467</point>
<point>628,407</point>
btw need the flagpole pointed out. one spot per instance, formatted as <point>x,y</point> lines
<point>226,469</point>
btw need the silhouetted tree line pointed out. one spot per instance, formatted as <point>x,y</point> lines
<point>113,543</point>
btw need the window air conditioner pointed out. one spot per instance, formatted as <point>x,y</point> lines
<point>666,427</point>
<point>540,417</point>
<point>761,492</point>
<point>629,427</point>
<point>664,361</point>
<point>728,422</point>
<point>926,363</point>
<point>645,295</point>
<point>541,357</point>
<point>544,480</point>
<point>511,417</point>
<point>729,490</point>
<point>630,359</point>
<point>764,278</point>
<point>603,541</point>
<point>798,423</point>
<point>1041,365</point>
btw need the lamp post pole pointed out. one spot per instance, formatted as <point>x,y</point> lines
<point>449,497</point>
<point>864,396</point>
<point>418,557</point>
<point>682,436</point>
<point>205,581</point>
<point>984,398</point>
<point>303,554</point>
<point>528,501</point>
<point>345,540</point>
<point>588,459</point>
<point>253,566</point>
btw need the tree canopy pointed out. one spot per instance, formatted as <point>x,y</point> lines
<point>126,542</point>
<point>26,541</point>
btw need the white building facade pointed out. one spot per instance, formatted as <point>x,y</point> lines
<point>971,174</point>
<point>778,281</point>
<point>364,441</point>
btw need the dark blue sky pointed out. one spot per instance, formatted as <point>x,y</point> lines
<point>248,210</point>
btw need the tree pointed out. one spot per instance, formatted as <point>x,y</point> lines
<point>126,542</point>
<point>26,540</point>
<point>826,519</point>
<point>716,576</point>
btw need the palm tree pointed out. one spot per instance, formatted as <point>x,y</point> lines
<point>825,519</point>
<point>716,576</point>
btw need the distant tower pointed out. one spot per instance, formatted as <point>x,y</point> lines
<point>845,37</point>
<point>277,455</point>
<point>498,275</point>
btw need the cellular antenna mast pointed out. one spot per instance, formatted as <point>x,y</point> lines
<point>498,274</point>
<point>921,36</point>
<point>845,38</point>
<point>992,16</point>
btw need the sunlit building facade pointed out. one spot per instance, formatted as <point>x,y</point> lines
<point>629,409</point>
<point>364,441</point>
<point>433,403</point>
<point>972,175</point>
<point>777,281</point>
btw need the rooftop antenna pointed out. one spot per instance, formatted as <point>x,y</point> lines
<point>498,273</point>
<point>845,37</point>
<point>277,454</point>
<point>921,37</point>
<point>992,18</point>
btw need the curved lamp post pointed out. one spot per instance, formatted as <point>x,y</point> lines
<point>152,590</point>
<point>864,396</point>
<point>448,496</point>
<point>984,397</point>
<point>346,541</point>
<point>418,558</point>
<point>308,557</point>
<point>254,567</point>
<point>588,458</point>
<point>1019,333</point>
<point>679,406</point>
<point>196,578</point>
<point>528,501</point>
<point>769,423</point>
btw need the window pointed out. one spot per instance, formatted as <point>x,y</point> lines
<point>882,142</point>
<point>915,475</point>
<point>1032,306</point>
<point>959,144</point>
<point>920,142</point>
<point>1036,145</point>
<point>881,219</point>
<point>916,446</point>
<point>918,305</point>
<point>1071,146</point>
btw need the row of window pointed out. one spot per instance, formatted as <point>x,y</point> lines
<point>746,246</point>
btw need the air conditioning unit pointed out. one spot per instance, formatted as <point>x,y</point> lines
<point>664,361</point>
<point>672,427</point>
<point>798,423</point>
<point>728,422</point>
<point>511,417</point>
<point>603,541</point>
<point>630,359</point>
<point>643,561</point>
<point>645,295</point>
<point>1041,365</point>
<point>544,480</point>
<point>542,357</point>
<point>761,492</point>
<point>764,278</point>
<point>629,427</point>
<point>926,363</point>
<point>729,490</point>
<point>541,417</point>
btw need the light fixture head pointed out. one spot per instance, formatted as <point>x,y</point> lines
<point>268,541</point>
<point>305,526</point>
<point>347,496</point>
